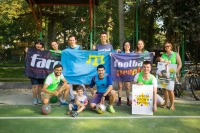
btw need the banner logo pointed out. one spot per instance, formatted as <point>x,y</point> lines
<point>95,57</point>
<point>42,62</point>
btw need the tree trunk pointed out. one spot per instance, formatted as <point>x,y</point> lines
<point>121,22</point>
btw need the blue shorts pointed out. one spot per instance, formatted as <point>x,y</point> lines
<point>98,97</point>
<point>75,107</point>
<point>35,81</point>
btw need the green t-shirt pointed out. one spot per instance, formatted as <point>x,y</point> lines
<point>145,82</point>
<point>56,54</point>
<point>171,58</point>
<point>55,82</point>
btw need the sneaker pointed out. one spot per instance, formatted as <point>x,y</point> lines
<point>72,101</point>
<point>119,103</point>
<point>69,112</point>
<point>35,101</point>
<point>128,103</point>
<point>39,101</point>
<point>75,114</point>
<point>111,109</point>
<point>65,104</point>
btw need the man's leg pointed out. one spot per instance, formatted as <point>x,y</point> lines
<point>160,100</point>
<point>64,89</point>
<point>94,101</point>
<point>112,97</point>
<point>71,93</point>
<point>45,98</point>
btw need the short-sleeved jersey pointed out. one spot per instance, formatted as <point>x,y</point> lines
<point>104,47</point>
<point>102,84</point>
<point>153,79</point>
<point>78,47</point>
<point>53,82</point>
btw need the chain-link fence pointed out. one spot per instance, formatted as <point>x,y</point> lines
<point>19,30</point>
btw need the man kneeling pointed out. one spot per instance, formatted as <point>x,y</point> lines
<point>104,89</point>
<point>50,87</point>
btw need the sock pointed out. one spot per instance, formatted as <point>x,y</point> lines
<point>127,99</point>
<point>120,99</point>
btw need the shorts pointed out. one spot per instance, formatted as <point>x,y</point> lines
<point>98,97</point>
<point>35,81</point>
<point>159,99</point>
<point>75,107</point>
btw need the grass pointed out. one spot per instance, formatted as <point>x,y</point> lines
<point>100,126</point>
<point>90,122</point>
<point>12,74</point>
<point>12,64</point>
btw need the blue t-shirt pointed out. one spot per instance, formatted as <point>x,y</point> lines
<point>104,47</point>
<point>102,84</point>
<point>78,47</point>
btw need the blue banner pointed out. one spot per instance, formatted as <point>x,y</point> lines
<point>39,63</point>
<point>125,66</point>
<point>79,66</point>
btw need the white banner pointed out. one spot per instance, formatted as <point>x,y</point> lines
<point>166,75</point>
<point>142,99</point>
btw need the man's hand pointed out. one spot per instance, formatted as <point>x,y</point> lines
<point>102,100</point>
<point>94,95</point>
<point>140,83</point>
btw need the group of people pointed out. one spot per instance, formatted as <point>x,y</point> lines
<point>43,90</point>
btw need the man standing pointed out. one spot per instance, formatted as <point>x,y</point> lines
<point>73,46</point>
<point>105,90</point>
<point>145,78</point>
<point>50,87</point>
<point>104,46</point>
<point>72,43</point>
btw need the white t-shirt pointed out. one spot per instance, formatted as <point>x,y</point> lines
<point>154,82</point>
<point>48,81</point>
<point>82,99</point>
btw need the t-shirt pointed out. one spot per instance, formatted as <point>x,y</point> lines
<point>82,99</point>
<point>49,79</point>
<point>78,47</point>
<point>104,47</point>
<point>154,81</point>
<point>102,84</point>
<point>171,57</point>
